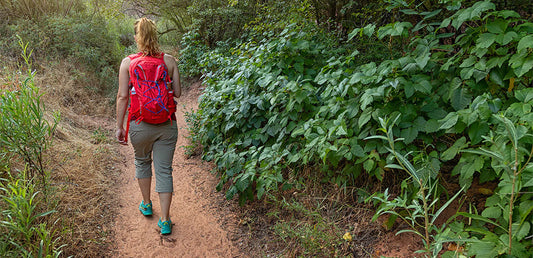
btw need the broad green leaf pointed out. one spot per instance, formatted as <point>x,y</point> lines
<point>365,117</point>
<point>497,61</point>
<point>527,65</point>
<point>356,77</point>
<point>519,109</point>
<point>432,125</point>
<point>497,26</point>
<point>521,231</point>
<point>485,40</point>
<point>526,27</point>
<point>525,43</point>
<point>369,165</point>
<point>479,75</point>
<point>477,130</point>
<point>409,89</point>
<point>529,183</point>
<point>401,28</point>
<point>299,67</point>
<point>483,249</point>
<point>423,86</point>
<point>496,77</point>
<point>492,212</point>
<point>319,130</point>
<point>445,23</point>
<point>368,30</point>
<point>451,152</point>
<point>341,130</point>
<point>260,190</point>
<point>470,61</point>
<point>409,134</point>
<point>357,151</point>
<point>449,121</point>
<point>472,12</point>
<point>507,14</point>
<point>242,183</point>
<point>525,208</point>
<point>467,73</point>
<point>480,7</point>
<point>506,38</point>
<point>517,59</point>
<point>467,168</point>
<point>460,98</point>
<point>525,95</point>
<point>420,123</point>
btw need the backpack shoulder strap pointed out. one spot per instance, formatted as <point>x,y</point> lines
<point>134,56</point>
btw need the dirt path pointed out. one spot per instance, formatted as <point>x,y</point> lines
<point>200,230</point>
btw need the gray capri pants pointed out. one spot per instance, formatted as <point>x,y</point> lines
<point>159,139</point>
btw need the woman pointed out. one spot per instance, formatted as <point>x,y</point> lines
<point>159,139</point>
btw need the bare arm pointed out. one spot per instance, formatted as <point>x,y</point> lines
<point>122,99</point>
<point>170,61</point>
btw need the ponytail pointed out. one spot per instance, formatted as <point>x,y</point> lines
<point>146,37</point>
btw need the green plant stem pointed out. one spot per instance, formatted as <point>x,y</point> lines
<point>426,218</point>
<point>516,173</point>
<point>511,201</point>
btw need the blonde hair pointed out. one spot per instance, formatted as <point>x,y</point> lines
<point>146,37</point>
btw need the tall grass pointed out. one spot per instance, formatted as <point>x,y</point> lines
<point>34,9</point>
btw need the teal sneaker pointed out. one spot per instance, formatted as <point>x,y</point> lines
<point>146,209</point>
<point>165,226</point>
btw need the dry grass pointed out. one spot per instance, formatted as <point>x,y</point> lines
<point>36,8</point>
<point>81,159</point>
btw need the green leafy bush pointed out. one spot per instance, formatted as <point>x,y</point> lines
<point>25,130</point>
<point>26,197</point>
<point>289,101</point>
<point>191,54</point>
<point>21,222</point>
<point>83,40</point>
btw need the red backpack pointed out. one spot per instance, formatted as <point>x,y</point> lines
<point>152,97</point>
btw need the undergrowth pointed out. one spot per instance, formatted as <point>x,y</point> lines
<point>55,194</point>
<point>27,197</point>
<point>460,76</point>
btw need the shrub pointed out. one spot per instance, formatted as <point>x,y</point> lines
<point>25,135</point>
<point>289,101</point>
<point>80,39</point>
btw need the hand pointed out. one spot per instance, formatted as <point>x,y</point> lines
<point>121,136</point>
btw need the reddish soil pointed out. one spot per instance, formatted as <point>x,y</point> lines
<point>200,229</point>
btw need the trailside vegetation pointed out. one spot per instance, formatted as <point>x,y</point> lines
<point>57,56</point>
<point>436,98</point>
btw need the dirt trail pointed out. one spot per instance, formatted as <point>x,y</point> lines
<point>200,229</point>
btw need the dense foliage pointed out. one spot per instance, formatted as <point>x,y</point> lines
<point>455,80</point>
